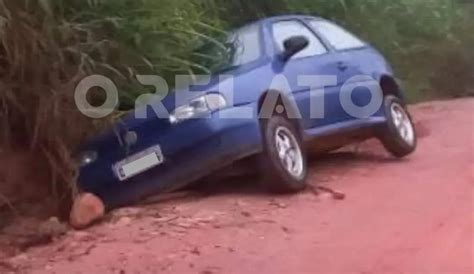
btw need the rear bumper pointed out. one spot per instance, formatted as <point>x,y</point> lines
<point>192,150</point>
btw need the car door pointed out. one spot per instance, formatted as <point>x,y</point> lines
<point>315,60</point>
<point>352,54</point>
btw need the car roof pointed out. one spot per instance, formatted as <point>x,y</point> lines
<point>277,18</point>
<point>289,16</point>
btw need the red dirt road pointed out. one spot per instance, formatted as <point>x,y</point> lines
<point>411,216</point>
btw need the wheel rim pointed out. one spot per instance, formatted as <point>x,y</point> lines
<point>289,152</point>
<point>402,122</point>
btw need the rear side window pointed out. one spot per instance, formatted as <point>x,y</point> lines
<point>338,37</point>
<point>286,29</point>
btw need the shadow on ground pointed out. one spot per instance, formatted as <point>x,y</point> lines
<point>247,182</point>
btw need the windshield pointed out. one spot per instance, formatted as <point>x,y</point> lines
<point>245,45</point>
<point>237,48</point>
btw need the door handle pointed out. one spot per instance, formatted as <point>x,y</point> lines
<point>342,65</point>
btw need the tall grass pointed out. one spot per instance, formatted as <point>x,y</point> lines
<point>39,63</point>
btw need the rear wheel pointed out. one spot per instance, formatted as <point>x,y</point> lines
<point>398,135</point>
<point>283,161</point>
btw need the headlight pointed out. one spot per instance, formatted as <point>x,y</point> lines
<point>87,158</point>
<point>197,107</point>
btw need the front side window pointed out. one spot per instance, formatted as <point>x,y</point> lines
<point>286,29</point>
<point>339,38</point>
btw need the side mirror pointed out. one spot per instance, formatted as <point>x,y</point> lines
<point>293,45</point>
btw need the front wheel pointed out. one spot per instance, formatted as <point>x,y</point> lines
<point>398,135</point>
<point>283,161</point>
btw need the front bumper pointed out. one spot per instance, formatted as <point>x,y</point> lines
<point>192,150</point>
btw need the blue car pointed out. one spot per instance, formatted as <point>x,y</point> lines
<point>266,109</point>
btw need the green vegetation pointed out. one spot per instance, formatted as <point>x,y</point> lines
<point>47,46</point>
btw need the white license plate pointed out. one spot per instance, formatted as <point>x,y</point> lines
<point>139,163</point>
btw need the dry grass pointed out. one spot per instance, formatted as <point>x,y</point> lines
<point>39,66</point>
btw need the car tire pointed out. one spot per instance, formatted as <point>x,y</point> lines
<point>398,135</point>
<point>283,161</point>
